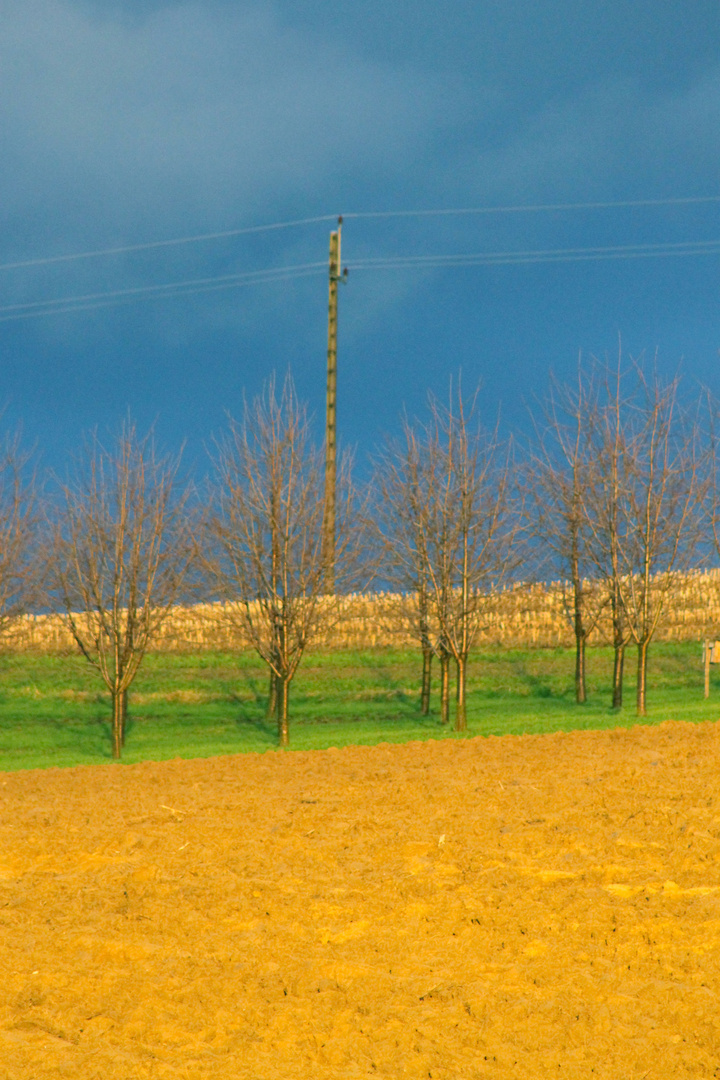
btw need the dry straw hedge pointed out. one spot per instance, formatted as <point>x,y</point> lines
<point>524,616</point>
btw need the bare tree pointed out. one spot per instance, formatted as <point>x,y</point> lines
<point>452,530</point>
<point>401,487</point>
<point>20,564</point>
<point>264,552</point>
<point>664,510</point>
<point>712,439</point>
<point>560,483</point>
<point>606,424</point>
<point>650,523</point>
<point>469,547</point>
<point>122,557</point>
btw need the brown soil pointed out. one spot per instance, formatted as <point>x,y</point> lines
<point>517,908</point>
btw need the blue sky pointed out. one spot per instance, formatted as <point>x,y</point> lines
<point>125,122</point>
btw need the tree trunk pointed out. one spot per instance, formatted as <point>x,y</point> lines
<point>580,690</point>
<point>642,677</point>
<point>272,696</point>
<point>283,696</point>
<point>618,668</point>
<point>117,724</point>
<point>444,687</point>
<point>124,697</point>
<point>619,644</point>
<point>460,710</point>
<point>427,652</point>
<point>426,679</point>
<point>580,635</point>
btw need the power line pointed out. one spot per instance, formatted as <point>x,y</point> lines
<point>492,258</point>
<point>91,301</point>
<point>535,208</point>
<point>126,249</point>
<point>360,215</point>
<point>170,290</point>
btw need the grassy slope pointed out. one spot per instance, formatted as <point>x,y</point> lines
<point>53,710</point>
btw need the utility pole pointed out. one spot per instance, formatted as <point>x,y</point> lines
<point>328,538</point>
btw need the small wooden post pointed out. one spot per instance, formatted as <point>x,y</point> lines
<point>707,653</point>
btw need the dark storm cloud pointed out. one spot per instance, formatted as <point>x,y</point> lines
<point>127,119</point>
<point>194,110</point>
<point>124,121</point>
<point>615,136</point>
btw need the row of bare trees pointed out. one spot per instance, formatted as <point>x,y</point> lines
<point>126,537</point>
<point>622,487</point>
<point>129,540</point>
<point>615,496</point>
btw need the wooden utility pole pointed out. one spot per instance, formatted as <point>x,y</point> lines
<point>330,423</point>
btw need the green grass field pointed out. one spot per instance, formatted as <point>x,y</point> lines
<point>54,710</point>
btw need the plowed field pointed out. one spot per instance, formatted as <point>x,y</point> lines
<point>544,906</point>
